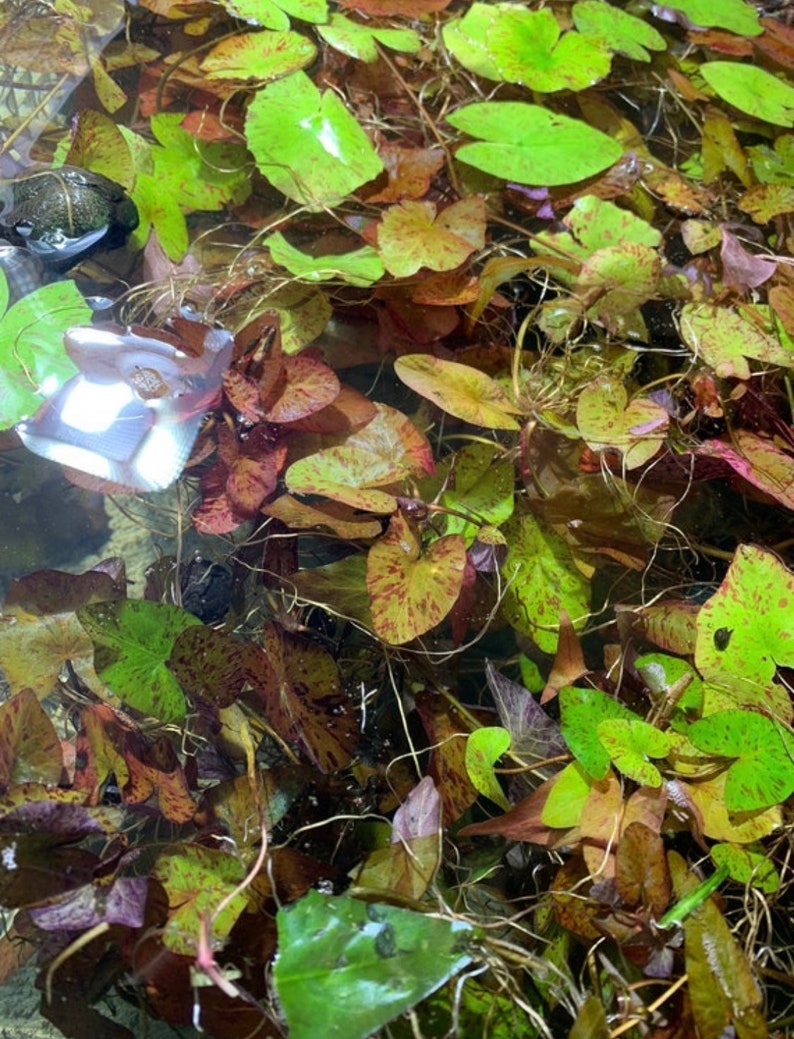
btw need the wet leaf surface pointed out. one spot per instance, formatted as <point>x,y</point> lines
<point>330,947</point>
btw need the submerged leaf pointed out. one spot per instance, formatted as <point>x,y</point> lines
<point>370,962</point>
<point>133,641</point>
<point>458,389</point>
<point>411,590</point>
<point>542,580</point>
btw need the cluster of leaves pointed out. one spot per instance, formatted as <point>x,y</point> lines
<point>566,231</point>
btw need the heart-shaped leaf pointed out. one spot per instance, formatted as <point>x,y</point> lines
<point>412,235</point>
<point>133,641</point>
<point>196,880</point>
<point>361,267</point>
<point>411,591</point>
<point>385,451</point>
<point>361,41</point>
<point>509,43</point>
<point>605,420</point>
<point>532,145</point>
<point>370,962</point>
<point>629,743</point>
<point>30,750</point>
<point>723,339</point>
<point>744,630</point>
<point>308,144</point>
<point>542,579</point>
<point>581,711</point>
<point>762,773</point>
<point>458,389</point>
<point>617,30</point>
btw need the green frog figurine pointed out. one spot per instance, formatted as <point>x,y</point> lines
<point>62,215</point>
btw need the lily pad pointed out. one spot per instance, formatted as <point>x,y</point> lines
<point>307,144</point>
<point>133,641</point>
<point>458,389</point>
<point>532,145</point>
<point>752,90</point>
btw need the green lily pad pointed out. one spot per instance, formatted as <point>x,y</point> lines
<point>734,15</point>
<point>748,865</point>
<point>531,145</point>
<point>512,44</point>
<point>617,30</point>
<point>581,711</point>
<point>762,773</point>
<point>542,579</point>
<point>629,743</point>
<point>361,41</point>
<point>133,640</point>
<point>307,144</point>
<point>258,56</point>
<point>361,267</point>
<point>345,967</point>
<point>744,630</point>
<point>33,360</point>
<point>605,420</point>
<point>723,339</point>
<point>752,90</point>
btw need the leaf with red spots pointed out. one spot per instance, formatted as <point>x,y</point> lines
<point>109,742</point>
<point>209,664</point>
<point>303,699</point>
<point>744,630</point>
<point>413,235</point>
<point>458,389</point>
<point>309,386</point>
<point>762,771</point>
<point>384,453</point>
<point>447,732</point>
<point>30,750</point>
<point>409,171</point>
<point>411,590</point>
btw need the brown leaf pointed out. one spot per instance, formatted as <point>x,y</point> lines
<point>303,698</point>
<point>641,872</point>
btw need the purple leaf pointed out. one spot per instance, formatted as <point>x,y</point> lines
<point>419,815</point>
<point>533,733</point>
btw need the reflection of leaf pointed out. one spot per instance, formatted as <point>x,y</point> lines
<point>754,602</point>
<point>412,235</point>
<point>532,145</point>
<point>484,747</point>
<point>411,590</point>
<point>458,389</point>
<point>133,641</point>
<point>762,772</point>
<point>308,144</point>
<point>370,962</point>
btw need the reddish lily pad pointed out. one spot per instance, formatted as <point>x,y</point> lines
<point>411,590</point>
